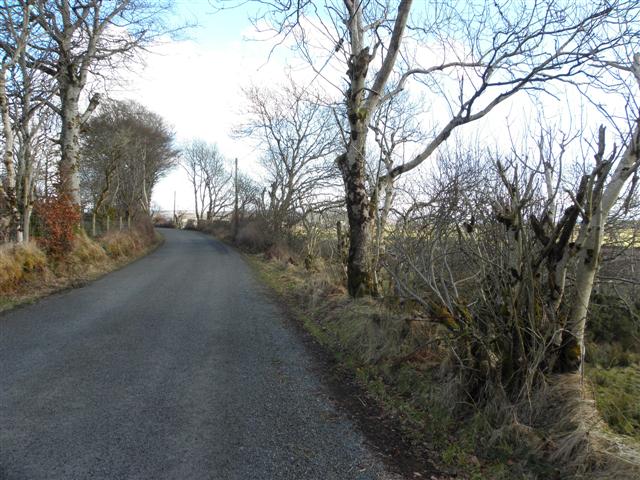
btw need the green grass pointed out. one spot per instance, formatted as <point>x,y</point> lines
<point>613,362</point>
<point>617,394</point>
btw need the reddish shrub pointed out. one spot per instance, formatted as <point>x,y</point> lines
<point>59,219</point>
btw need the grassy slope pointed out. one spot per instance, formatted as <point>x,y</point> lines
<point>29,275</point>
<point>613,362</point>
<point>383,352</point>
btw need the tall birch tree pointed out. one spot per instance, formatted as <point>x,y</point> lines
<point>14,23</point>
<point>81,39</point>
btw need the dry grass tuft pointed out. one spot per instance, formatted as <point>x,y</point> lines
<point>20,263</point>
<point>365,328</point>
<point>26,273</point>
<point>119,245</point>
<point>578,436</point>
<point>86,257</point>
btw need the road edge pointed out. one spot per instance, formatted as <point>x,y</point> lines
<point>381,430</point>
<point>79,281</point>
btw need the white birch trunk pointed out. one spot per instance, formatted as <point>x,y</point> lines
<point>9,187</point>
<point>26,222</point>
<point>588,259</point>
<point>70,141</point>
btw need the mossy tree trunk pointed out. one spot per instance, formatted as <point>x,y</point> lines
<point>362,102</point>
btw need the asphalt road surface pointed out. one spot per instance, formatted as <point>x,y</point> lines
<point>175,367</point>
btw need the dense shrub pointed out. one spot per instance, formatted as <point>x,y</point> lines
<point>221,229</point>
<point>617,391</point>
<point>254,236</point>
<point>58,219</point>
<point>162,221</point>
<point>612,320</point>
<point>609,355</point>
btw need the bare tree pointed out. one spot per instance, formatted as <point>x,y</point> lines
<point>600,190</point>
<point>35,123</point>
<point>14,24</point>
<point>479,57</point>
<point>298,136</point>
<point>209,178</point>
<point>249,197</point>
<point>395,128</point>
<point>504,251</point>
<point>217,184</point>
<point>77,39</point>
<point>192,158</point>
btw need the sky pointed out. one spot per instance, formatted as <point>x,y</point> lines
<point>195,84</point>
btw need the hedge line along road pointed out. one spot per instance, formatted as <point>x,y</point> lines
<point>177,366</point>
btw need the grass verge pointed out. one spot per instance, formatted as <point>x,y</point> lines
<point>397,360</point>
<point>384,351</point>
<point>27,274</point>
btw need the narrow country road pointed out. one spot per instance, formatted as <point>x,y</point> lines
<point>175,367</point>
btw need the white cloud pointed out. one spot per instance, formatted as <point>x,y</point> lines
<point>197,89</point>
<point>196,86</point>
